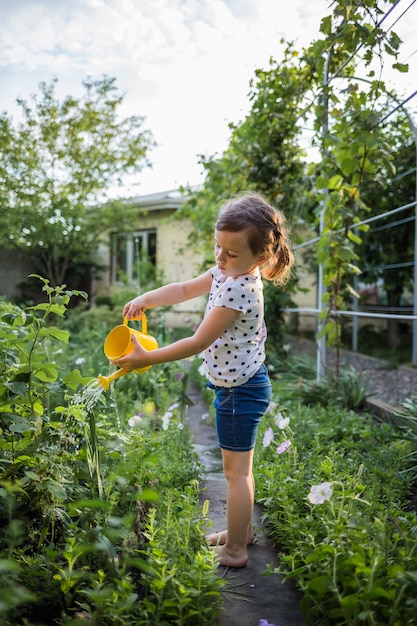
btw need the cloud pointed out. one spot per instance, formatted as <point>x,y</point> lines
<point>185,65</point>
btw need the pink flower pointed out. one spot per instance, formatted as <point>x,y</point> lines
<point>283,446</point>
<point>268,437</point>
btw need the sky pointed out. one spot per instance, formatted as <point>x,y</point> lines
<point>184,65</point>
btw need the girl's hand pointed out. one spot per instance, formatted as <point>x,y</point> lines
<point>138,358</point>
<point>134,308</point>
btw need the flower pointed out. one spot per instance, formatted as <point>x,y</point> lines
<point>149,407</point>
<point>283,446</point>
<point>320,493</point>
<point>281,421</point>
<point>174,406</point>
<point>268,437</point>
<point>202,370</point>
<point>80,360</point>
<point>135,420</point>
<point>165,419</point>
<point>264,622</point>
<point>272,405</point>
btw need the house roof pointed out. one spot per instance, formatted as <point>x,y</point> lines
<point>171,199</point>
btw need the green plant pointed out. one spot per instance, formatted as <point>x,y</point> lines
<point>182,581</point>
<point>335,500</point>
<point>405,422</point>
<point>80,473</point>
<point>346,389</point>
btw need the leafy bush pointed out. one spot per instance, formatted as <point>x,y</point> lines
<point>84,473</point>
<point>405,425</point>
<point>346,389</point>
<point>335,500</point>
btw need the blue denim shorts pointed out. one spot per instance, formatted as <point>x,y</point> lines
<point>239,411</point>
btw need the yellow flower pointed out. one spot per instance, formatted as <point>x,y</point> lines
<point>149,407</point>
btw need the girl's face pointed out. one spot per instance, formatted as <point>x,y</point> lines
<point>233,254</point>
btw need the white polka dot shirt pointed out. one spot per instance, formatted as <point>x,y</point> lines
<point>240,350</point>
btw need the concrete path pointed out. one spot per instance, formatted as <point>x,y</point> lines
<point>249,595</point>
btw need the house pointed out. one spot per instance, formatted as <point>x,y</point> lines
<point>156,244</point>
<point>154,240</point>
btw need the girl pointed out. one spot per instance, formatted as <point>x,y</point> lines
<point>250,242</point>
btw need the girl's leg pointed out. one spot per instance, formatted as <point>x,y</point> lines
<point>240,499</point>
<point>220,538</point>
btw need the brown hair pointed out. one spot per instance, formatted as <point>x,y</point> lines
<point>267,232</point>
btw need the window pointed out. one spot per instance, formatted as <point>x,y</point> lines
<point>133,257</point>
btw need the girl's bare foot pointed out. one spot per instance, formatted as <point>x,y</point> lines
<point>219,539</point>
<point>230,560</point>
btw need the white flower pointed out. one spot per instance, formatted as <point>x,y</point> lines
<point>180,426</point>
<point>80,360</point>
<point>165,420</point>
<point>134,421</point>
<point>202,370</point>
<point>268,437</point>
<point>320,493</point>
<point>174,406</point>
<point>281,421</point>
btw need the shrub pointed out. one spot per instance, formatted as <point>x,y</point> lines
<point>334,497</point>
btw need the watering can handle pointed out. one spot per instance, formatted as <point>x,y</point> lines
<point>144,323</point>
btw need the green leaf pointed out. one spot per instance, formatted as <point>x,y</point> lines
<point>348,166</point>
<point>61,335</point>
<point>74,379</point>
<point>335,182</point>
<point>16,387</point>
<point>320,584</point>
<point>20,425</point>
<point>354,237</point>
<point>58,309</point>
<point>401,67</point>
<point>47,373</point>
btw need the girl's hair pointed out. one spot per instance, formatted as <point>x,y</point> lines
<point>267,233</point>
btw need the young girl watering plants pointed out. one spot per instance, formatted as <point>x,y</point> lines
<point>250,243</point>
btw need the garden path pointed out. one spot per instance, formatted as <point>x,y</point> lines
<point>249,595</point>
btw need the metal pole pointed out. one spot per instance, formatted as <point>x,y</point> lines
<point>414,355</point>
<point>321,289</point>
<point>355,321</point>
<point>321,340</point>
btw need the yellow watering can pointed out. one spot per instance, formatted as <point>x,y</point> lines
<point>119,343</point>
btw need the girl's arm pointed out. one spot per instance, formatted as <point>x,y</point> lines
<point>213,325</point>
<point>169,294</point>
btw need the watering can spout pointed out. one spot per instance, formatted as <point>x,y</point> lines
<point>119,343</point>
<point>104,381</point>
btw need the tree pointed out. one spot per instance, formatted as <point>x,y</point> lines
<point>388,248</point>
<point>56,165</point>
<point>354,139</point>
<point>318,85</point>
<point>263,156</point>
